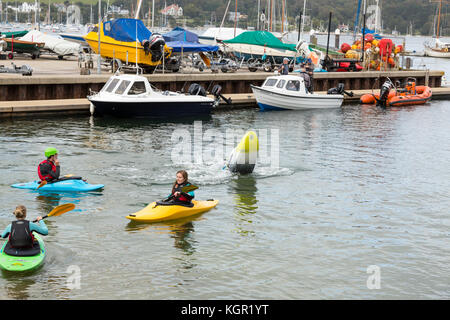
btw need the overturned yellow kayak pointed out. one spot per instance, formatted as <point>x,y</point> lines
<point>164,212</point>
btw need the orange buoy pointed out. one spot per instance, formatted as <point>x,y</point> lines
<point>367,98</point>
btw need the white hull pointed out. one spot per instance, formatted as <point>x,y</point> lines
<point>268,100</point>
<point>255,50</point>
<point>434,53</point>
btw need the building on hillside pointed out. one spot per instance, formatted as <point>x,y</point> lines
<point>343,28</point>
<point>173,10</point>
<point>239,16</point>
<point>118,10</point>
<point>24,7</point>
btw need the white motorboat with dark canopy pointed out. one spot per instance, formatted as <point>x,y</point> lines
<point>134,96</point>
<point>288,92</point>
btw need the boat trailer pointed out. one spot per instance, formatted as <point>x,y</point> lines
<point>25,70</point>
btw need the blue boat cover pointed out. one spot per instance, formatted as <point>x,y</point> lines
<point>125,30</point>
<point>178,46</point>
<point>180,34</point>
<point>367,31</point>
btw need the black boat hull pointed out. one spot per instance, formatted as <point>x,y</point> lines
<point>152,109</point>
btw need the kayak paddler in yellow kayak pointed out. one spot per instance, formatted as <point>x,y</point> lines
<point>178,196</point>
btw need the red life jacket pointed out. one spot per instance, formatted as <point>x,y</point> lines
<point>47,176</point>
<point>181,197</point>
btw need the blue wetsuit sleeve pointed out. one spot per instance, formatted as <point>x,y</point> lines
<point>6,231</point>
<point>41,228</point>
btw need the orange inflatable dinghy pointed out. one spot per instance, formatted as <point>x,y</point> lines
<point>401,97</point>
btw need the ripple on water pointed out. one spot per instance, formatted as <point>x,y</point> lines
<point>355,187</point>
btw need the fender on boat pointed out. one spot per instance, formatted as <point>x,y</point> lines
<point>244,156</point>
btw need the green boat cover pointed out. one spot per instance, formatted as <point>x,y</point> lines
<point>261,38</point>
<point>16,34</point>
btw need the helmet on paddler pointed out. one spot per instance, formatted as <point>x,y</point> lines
<point>50,152</point>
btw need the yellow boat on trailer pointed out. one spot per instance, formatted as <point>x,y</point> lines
<point>129,42</point>
<point>158,213</point>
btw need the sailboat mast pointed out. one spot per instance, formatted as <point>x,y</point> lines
<point>138,8</point>
<point>257,16</point>
<point>153,14</point>
<point>235,16</point>
<point>282,16</point>
<point>303,19</point>
<point>439,19</point>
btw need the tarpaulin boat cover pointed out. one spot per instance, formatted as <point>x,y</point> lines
<point>180,34</point>
<point>53,43</point>
<point>126,30</point>
<point>367,31</point>
<point>185,46</point>
<point>261,38</point>
<point>16,34</point>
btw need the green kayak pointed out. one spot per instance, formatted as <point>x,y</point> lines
<point>23,263</point>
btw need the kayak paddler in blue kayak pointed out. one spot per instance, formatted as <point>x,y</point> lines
<point>49,169</point>
<point>20,232</point>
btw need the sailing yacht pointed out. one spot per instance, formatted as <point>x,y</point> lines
<point>435,47</point>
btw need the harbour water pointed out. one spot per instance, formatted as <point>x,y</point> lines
<point>353,190</point>
<point>356,187</point>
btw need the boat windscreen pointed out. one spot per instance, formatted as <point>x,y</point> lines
<point>111,85</point>
<point>270,82</point>
<point>137,88</point>
<point>122,86</point>
<point>281,83</point>
<point>293,85</point>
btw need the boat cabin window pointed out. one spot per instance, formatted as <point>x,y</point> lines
<point>270,82</point>
<point>95,29</point>
<point>122,86</point>
<point>112,85</point>
<point>281,83</point>
<point>137,88</point>
<point>293,85</point>
<point>107,25</point>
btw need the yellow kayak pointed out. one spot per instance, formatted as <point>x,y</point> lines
<point>164,212</point>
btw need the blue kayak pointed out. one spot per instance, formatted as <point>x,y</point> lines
<point>60,186</point>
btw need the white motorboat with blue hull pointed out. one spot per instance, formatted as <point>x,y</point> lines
<point>133,96</point>
<point>288,92</point>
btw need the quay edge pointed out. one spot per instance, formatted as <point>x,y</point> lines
<point>74,86</point>
<point>81,106</point>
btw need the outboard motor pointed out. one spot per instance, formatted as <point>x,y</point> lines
<point>384,93</point>
<point>339,90</point>
<point>216,92</point>
<point>196,90</point>
<point>156,46</point>
<point>146,44</point>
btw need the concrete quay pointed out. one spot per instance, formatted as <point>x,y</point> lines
<point>82,105</point>
<point>73,86</point>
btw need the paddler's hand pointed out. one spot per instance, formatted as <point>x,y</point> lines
<point>177,194</point>
<point>39,218</point>
<point>56,162</point>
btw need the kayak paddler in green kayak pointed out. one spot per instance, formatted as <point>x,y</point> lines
<point>21,239</point>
